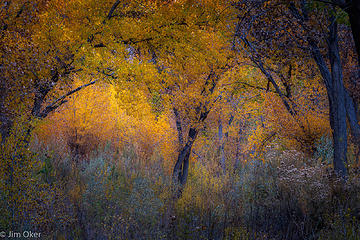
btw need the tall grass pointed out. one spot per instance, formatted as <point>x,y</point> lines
<point>116,195</point>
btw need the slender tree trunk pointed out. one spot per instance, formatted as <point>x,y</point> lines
<point>238,154</point>
<point>221,146</point>
<point>5,119</point>
<point>353,120</point>
<point>352,116</point>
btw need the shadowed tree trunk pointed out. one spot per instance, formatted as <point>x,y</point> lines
<point>223,137</point>
<point>336,94</point>
<point>5,119</point>
<point>354,16</point>
<point>333,80</point>
<point>352,8</point>
<point>181,168</point>
<point>238,153</point>
<point>221,146</point>
<point>353,120</point>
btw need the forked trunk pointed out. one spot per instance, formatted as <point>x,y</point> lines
<point>181,169</point>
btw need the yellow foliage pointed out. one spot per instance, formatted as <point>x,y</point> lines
<point>99,115</point>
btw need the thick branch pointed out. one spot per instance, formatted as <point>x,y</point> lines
<point>61,100</point>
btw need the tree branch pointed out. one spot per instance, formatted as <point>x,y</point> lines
<point>109,16</point>
<point>61,100</point>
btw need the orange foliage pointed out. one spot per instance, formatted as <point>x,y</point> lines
<point>97,116</point>
<point>310,123</point>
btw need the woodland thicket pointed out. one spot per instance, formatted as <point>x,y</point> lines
<point>180,119</point>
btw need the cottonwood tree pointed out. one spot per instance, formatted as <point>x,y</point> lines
<point>37,62</point>
<point>342,106</point>
<point>181,54</point>
<point>302,35</point>
<point>269,49</point>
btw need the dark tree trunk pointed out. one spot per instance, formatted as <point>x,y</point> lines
<point>353,120</point>
<point>354,16</point>
<point>221,147</point>
<point>239,157</point>
<point>352,115</point>
<point>353,10</point>
<point>181,168</point>
<point>5,120</point>
<point>338,126</point>
<point>338,111</point>
<point>336,94</point>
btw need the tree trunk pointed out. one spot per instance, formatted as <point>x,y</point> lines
<point>181,168</point>
<point>338,126</point>
<point>353,120</point>
<point>6,120</point>
<point>336,94</point>
<point>353,10</point>
<point>338,111</point>
<point>221,147</point>
<point>354,16</point>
